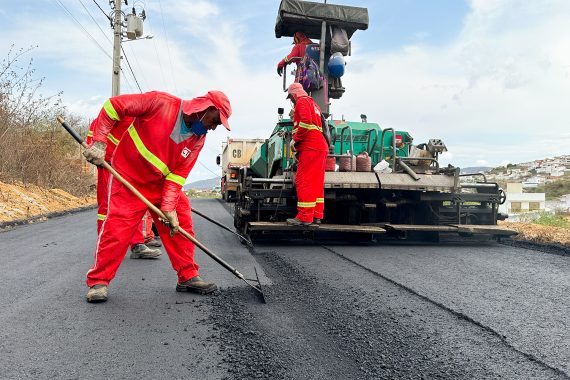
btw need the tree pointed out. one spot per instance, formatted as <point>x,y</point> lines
<point>33,148</point>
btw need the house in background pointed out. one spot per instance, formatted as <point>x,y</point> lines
<point>518,202</point>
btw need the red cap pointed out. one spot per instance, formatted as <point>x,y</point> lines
<point>222,103</point>
<point>295,90</point>
<point>213,98</point>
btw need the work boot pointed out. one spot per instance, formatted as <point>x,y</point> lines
<point>196,285</point>
<point>316,221</point>
<point>97,293</point>
<point>297,222</point>
<point>155,243</point>
<point>141,251</point>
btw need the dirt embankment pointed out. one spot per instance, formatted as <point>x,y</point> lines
<point>539,234</point>
<point>19,201</point>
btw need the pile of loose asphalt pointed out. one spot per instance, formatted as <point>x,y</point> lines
<point>318,328</point>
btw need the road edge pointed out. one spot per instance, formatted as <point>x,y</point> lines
<point>5,226</point>
<point>555,249</point>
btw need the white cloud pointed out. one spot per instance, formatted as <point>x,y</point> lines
<point>491,94</point>
<point>497,92</point>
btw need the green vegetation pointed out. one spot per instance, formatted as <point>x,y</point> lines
<point>33,147</point>
<point>504,169</point>
<point>552,220</point>
<point>554,189</point>
<point>203,194</point>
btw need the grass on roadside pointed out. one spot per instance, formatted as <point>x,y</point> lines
<point>552,220</point>
<point>203,194</point>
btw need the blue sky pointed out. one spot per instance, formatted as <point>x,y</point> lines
<point>489,77</point>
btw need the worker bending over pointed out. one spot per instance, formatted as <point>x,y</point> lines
<point>155,155</point>
<point>139,248</point>
<point>311,150</point>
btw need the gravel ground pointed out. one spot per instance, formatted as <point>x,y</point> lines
<point>320,323</point>
<point>346,311</point>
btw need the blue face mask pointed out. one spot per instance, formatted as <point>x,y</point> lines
<point>197,127</point>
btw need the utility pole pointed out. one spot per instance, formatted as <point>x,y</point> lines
<point>134,26</point>
<point>118,33</point>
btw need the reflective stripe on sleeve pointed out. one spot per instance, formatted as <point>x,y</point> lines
<point>320,200</point>
<point>89,133</point>
<point>113,139</point>
<point>176,179</point>
<point>110,110</point>
<point>101,216</point>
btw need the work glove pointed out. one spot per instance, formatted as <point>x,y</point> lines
<point>95,154</point>
<point>171,221</point>
<point>279,70</point>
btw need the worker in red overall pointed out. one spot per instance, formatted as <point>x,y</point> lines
<point>139,249</point>
<point>311,151</point>
<point>155,155</point>
<point>300,41</point>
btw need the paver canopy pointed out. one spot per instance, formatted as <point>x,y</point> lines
<point>307,16</point>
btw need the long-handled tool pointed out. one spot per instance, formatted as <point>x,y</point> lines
<point>157,211</point>
<point>243,238</point>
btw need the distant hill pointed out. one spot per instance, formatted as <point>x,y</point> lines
<point>205,184</point>
<point>475,169</point>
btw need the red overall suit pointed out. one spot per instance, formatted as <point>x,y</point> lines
<point>156,155</point>
<point>312,150</point>
<point>301,41</point>
<point>144,231</point>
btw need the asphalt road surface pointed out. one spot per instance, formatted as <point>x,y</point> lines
<point>455,310</point>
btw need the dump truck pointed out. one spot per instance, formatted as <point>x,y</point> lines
<point>379,183</point>
<point>235,155</point>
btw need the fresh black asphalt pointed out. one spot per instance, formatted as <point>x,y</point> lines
<point>371,311</point>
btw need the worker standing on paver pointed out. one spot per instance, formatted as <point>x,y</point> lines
<point>311,150</point>
<point>300,41</point>
<point>139,250</point>
<point>155,155</point>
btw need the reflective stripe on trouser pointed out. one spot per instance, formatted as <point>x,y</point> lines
<point>309,183</point>
<point>124,214</point>
<point>102,198</point>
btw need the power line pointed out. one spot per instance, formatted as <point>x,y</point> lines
<point>205,167</point>
<point>95,21</point>
<point>157,56</point>
<point>106,15</point>
<point>140,70</point>
<point>128,63</point>
<point>127,80</point>
<point>167,47</point>
<point>83,29</point>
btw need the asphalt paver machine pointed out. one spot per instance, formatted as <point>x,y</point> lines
<point>378,183</point>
